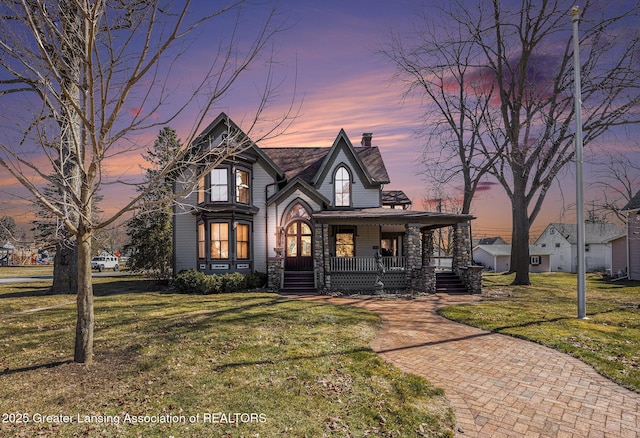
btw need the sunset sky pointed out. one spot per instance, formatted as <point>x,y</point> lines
<point>328,52</point>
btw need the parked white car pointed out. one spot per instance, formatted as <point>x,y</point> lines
<point>104,262</point>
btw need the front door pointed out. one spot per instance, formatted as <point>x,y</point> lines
<point>299,256</point>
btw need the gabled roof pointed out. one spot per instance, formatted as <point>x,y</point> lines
<point>342,139</point>
<point>633,204</point>
<point>299,184</point>
<point>593,232</point>
<point>306,162</point>
<point>491,241</point>
<point>224,121</point>
<point>505,250</point>
<point>395,197</point>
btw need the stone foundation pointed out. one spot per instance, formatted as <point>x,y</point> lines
<point>275,272</point>
<point>471,277</point>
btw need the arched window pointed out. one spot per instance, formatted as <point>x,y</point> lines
<point>342,187</point>
<point>297,211</point>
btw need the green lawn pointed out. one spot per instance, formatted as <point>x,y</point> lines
<point>237,365</point>
<point>545,312</point>
<point>25,271</point>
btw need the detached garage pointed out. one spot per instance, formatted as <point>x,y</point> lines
<point>496,258</point>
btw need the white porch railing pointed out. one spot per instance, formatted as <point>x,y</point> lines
<point>365,264</point>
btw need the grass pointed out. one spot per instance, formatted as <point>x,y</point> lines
<point>286,367</point>
<point>25,271</point>
<point>545,312</point>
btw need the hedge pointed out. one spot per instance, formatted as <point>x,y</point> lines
<point>196,282</point>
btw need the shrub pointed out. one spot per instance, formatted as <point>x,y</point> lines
<point>233,282</point>
<point>197,282</point>
<point>191,281</point>
<point>256,280</point>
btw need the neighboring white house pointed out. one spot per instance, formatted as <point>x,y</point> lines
<point>632,211</point>
<point>496,258</point>
<point>561,242</point>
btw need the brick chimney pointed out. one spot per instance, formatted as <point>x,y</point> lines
<point>366,139</point>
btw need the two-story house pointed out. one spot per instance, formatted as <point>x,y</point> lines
<point>312,217</point>
<point>561,242</point>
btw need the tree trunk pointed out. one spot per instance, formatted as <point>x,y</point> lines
<point>85,321</point>
<point>65,269</point>
<point>519,236</point>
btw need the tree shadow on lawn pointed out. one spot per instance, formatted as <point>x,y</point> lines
<point>124,286</point>
<point>8,371</point>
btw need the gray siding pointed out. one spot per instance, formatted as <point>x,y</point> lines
<point>361,196</point>
<point>633,235</point>
<point>366,239</point>
<point>184,229</point>
<point>261,232</point>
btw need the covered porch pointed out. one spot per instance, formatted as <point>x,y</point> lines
<point>358,250</point>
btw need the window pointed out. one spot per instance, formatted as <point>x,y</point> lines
<point>345,246</point>
<point>242,241</point>
<point>201,241</point>
<point>242,187</point>
<point>219,183</point>
<point>342,187</point>
<point>297,211</point>
<point>534,260</point>
<point>219,240</point>
<point>557,245</point>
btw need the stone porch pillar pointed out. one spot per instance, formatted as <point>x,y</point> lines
<point>413,252</point>
<point>427,247</point>
<point>321,257</point>
<point>427,275</point>
<point>462,256</point>
<point>275,269</point>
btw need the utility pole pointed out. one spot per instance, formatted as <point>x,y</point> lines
<point>582,275</point>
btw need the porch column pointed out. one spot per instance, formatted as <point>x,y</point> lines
<point>321,256</point>
<point>413,252</point>
<point>461,246</point>
<point>427,247</point>
<point>428,274</point>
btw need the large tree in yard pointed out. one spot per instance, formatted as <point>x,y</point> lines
<point>517,96</point>
<point>87,79</point>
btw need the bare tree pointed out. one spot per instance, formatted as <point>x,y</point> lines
<point>527,129</point>
<point>618,179</point>
<point>94,75</point>
<point>443,67</point>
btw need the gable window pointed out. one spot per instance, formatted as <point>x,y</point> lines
<point>242,187</point>
<point>345,243</point>
<point>201,241</point>
<point>219,185</point>
<point>342,187</point>
<point>242,241</point>
<point>219,240</point>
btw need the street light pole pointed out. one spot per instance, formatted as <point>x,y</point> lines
<point>582,276</point>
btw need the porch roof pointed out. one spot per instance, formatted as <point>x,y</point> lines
<point>388,216</point>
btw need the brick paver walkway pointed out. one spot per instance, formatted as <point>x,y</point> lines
<point>500,386</point>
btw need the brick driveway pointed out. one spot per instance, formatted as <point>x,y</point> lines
<point>500,386</point>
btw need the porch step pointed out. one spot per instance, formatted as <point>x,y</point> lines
<point>298,283</point>
<point>449,283</point>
